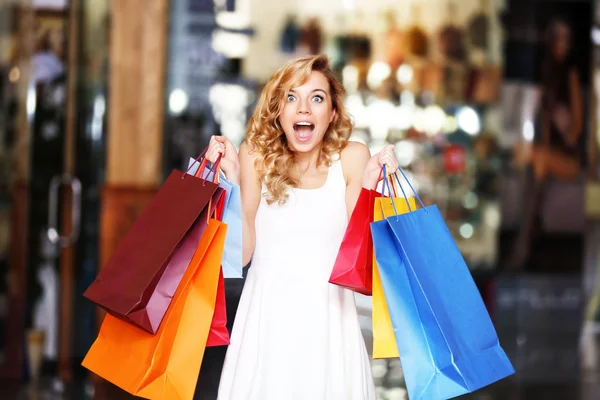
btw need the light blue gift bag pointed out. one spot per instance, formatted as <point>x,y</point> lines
<point>232,216</point>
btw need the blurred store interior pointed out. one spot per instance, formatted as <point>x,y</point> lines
<point>101,99</point>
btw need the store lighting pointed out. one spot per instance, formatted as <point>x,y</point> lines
<point>528,130</point>
<point>434,118</point>
<point>450,124</point>
<point>229,103</point>
<point>230,44</point>
<point>405,152</point>
<point>403,117</point>
<point>491,217</point>
<point>404,74</point>
<point>377,74</point>
<point>419,122</point>
<point>381,114</point>
<point>350,78</point>
<point>407,98</point>
<point>470,201</point>
<point>31,102</point>
<point>14,74</point>
<point>377,146</point>
<point>98,117</point>
<point>178,101</point>
<point>468,120</point>
<point>349,5</point>
<point>360,137</point>
<point>233,129</point>
<point>232,20</point>
<point>406,187</point>
<point>356,107</point>
<point>466,231</point>
<point>429,120</point>
<point>596,36</point>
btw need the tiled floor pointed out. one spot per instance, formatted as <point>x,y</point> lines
<point>588,389</point>
<point>387,374</point>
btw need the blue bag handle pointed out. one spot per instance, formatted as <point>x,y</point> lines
<point>395,174</point>
<point>411,188</point>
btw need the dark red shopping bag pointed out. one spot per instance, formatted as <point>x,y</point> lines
<point>219,335</point>
<point>140,279</point>
<point>353,268</point>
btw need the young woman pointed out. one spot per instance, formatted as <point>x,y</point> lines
<point>295,335</point>
<point>556,151</point>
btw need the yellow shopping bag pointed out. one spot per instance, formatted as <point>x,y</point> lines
<point>384,342</point>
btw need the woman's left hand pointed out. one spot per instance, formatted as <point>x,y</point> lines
<point>372,174</point>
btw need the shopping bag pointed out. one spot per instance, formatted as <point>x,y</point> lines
<point>165,365</point>
<point>447,343</point>
<point>219,335</point>
<point>232,216</point>
<point>384,341</point>
<point>139,280</point>
<point>352,268</point>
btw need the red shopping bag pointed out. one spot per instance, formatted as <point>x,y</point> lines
<point>353,265</point>
<point>219,335</point>
<point>140,279</point>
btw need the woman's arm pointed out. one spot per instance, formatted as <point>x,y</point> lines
<point>354,159</point>
<point>250,188</point>
<point>363,171</point>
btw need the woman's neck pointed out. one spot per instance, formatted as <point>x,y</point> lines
<point>307,161</point>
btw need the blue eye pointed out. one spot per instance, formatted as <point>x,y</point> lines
<point>318,99</point>
<point>291,97</point>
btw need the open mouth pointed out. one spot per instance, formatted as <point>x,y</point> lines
<point>303,131</point>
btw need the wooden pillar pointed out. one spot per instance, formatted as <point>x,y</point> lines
<point>138,57</point>
<point>137,74</point>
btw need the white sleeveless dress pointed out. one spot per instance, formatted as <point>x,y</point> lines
<point>296,336</point>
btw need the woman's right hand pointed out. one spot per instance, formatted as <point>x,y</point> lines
<point>230,163</point>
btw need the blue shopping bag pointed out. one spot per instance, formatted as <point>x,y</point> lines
<point>232,216</point>
<point>447,343</point>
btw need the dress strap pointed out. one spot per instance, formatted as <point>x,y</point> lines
<point>337,172</point>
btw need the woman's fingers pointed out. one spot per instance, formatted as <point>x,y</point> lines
<point>388,158</point>
<point>215,147</point>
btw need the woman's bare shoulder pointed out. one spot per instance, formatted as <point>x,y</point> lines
<point>355,151</point>
<point>354,158</point>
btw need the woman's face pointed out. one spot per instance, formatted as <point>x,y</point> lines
<point>561,44</point>
<point>307,113</point>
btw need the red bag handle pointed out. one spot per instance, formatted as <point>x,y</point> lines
<point>214,168</point>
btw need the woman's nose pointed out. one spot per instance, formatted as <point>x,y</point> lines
<point>303,107</point>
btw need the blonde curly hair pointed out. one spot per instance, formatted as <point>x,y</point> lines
<point>275,160</point>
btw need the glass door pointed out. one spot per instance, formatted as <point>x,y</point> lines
<point>53,95</point>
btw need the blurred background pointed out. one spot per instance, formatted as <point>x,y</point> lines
<point>492,105</point>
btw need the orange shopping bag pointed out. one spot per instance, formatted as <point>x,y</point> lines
<point>384,341</point>
<point>165,365</point>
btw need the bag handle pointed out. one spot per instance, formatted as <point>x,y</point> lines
<point>386,182</point>
<point>194,163</point>
<point>404,193</point>
<point>214,168</point>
